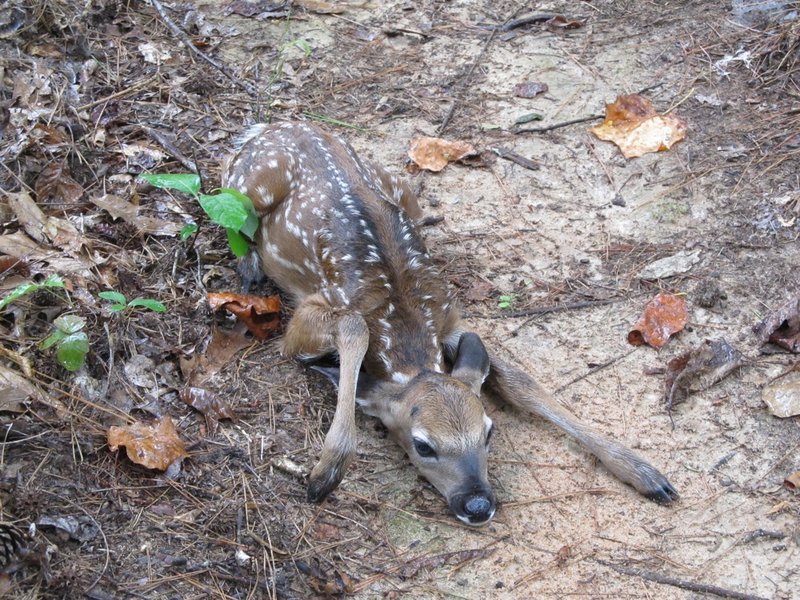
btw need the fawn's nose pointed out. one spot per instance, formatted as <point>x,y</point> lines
<point>475,508</point>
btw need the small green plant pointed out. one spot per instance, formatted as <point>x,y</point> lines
<point>506,301</point>
<point>119,302</point>
<point>53,281</point>
<point>228,207</point>
<point>71,342</point>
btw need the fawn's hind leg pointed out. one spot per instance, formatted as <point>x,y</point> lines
<point>317,328</point>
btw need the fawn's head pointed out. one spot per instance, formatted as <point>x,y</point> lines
<point>438,419</point>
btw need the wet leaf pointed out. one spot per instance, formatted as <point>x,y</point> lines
<point>433,154</point>
<point>70,323</point>
<point>782,327</point>
<point>260,314</point>
<point>72,350</point>
<point>782,396</point>
<point>664,315</point>
<point>529,89</point>
<point>221,350</point>
<point>209,404</point>
<point>633,124</point>
<point>81,529</point>
<point>154,446</point>
<point>699,369</point>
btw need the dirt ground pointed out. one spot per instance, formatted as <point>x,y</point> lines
<point>95,93</point>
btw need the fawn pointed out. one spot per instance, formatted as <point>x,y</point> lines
<point>338,234</point>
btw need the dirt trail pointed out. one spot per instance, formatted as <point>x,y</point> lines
<point>575,230</point>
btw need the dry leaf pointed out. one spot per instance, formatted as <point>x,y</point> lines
<point>792,481</point>
<point>433,154</point>
<point>699,369</point>
<point>212,407</point>
<point>530,89</point>
<point>154,446</point>
<point>633,124</point>
<point>782,396</point>
<point>221,349</point>
<point>260,314</point>
<point>119,208</point>
<point>54,187</point>
<point>782,327</point>
<point>336,584</point>
<point>663,316</point>
<point>561,22</point>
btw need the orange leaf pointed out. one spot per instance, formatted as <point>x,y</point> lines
<point>434,153</point>
<point>633,124</point>
<point>258,313</point>
<point>153,446</point>
<point>792,481</point>
<point>664,315</point>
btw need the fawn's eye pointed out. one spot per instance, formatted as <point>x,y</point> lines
<point>424,449</point>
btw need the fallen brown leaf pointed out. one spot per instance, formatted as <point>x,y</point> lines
<point>335,584</point>
<point>633,124</point>
<point>120,208</point>
<point>782,327</point>
<point>260,314</point>
<point>699,369</point>
<point>663,316</point>
<point>792,481</point>
<point>223,346</point>
<point>561,22</point>
<point>154,446</point>
<point>433,154</point>
<point>212,407</point>
<point>782,396</point>
<point>55,187</point>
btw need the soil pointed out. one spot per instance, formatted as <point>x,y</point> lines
<point>96,93</point>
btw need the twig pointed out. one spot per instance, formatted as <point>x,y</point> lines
<point>594,370</point>
<point>545,310</point>
<point>192,48</point>
<point>692,586</point>
<point>527,20</point>
<point>167,144</point>
<point>547,128</point>
<point>128,90</point>
<point>515,158</point>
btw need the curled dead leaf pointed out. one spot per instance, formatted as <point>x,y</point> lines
<point>155,446</point>
<point>633,124</point>
<point>782,327</point>
<point>212,407</point>
<point>699,369</point>
<point>433,154</point>
<point>55,187</point>
<point>792,481</point>
<point>782,396</point>
<point>261,315</point>
<point>664,315</point>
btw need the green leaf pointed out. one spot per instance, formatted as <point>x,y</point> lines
<point>70,323</point>
<point>24,289</point>
<point>183,182</point>
<point>153,305</point>
<point>522,119</point>
<point>250,226</point>
<point>187,231</point>
<point>224,209</point>
<point>237,242</point>
<point>243,198</point>
<point>53,338</point>
<point>115,297</point>
<point>72,351</point>
<point>53,281</point>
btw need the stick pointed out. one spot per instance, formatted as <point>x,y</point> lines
<point>192,48</point>
<point>692,586</point>
<point>557,125</point>
<point>167,144</point>
<point>544,310</point>
<point>515,158</point>
<point>594,370</point>
<point>527,20</point>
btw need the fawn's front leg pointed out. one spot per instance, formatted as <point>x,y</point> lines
<point>316,328</point>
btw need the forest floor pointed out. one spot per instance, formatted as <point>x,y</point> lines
<point>545,261</point>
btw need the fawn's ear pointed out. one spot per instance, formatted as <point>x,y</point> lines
<point>367,385</point>
<point>471,362</point>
